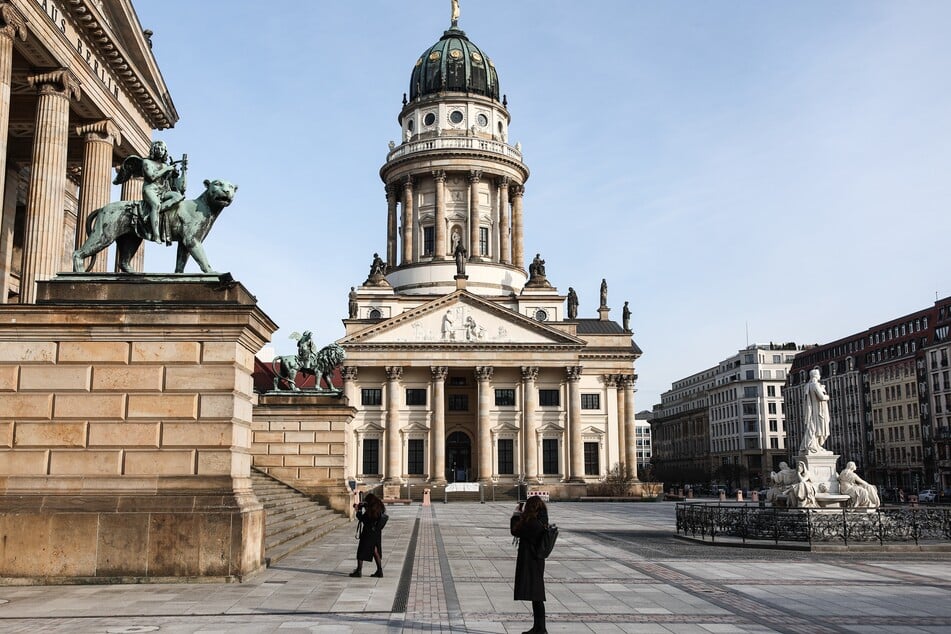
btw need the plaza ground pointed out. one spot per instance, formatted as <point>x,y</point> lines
<point>449,568</point>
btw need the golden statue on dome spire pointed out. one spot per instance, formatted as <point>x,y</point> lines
<point>455,13</point>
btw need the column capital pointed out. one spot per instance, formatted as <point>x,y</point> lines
<point>408,182</point>
<point>627,381</point>
<point>529,372</point>
<point>484,372</point>
<point>440,372</point>
<point>104,130</point>
<point>573,373</point>
<point>348,372</point>
<point>12,22</point>
<point>439,176</point>
<point>502,182</point>
<point>518,190</point>
<point>394,372</point>
<point>475,176</point>
<point>391,189</point>
<point>610,380</point>
<point>60,82</point>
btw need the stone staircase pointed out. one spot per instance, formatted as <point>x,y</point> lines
<point>292,520</point>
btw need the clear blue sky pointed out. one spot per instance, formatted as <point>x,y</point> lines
<point>776,168</point>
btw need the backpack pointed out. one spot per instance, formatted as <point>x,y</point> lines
<point>546,542</point>
<point>380,523</point>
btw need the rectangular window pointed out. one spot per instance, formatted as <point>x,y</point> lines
<point>771,408</point>
<point>458,403</point>
<point>750,391</point>
<point>371,396</point>
<point>590,401</point>
<point>504,398</point>
<point>772,425</point>
<point>484,240</point>
<point>371,456</point>
<point>752,443</point>
<point>749,409</point>
<point>751,426</point>
<point>506,456</point>
<point>457,380</point>
<point>591,466</point>
<point>549,398</point>
<point>429,240</point>
<point>415,396</point>
<point>414,456</point>
<point>770,390</point>
<point>550,456</point>
<point>750,375</point>
<point>774,443</point>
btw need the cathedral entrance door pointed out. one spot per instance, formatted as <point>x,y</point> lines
<point>458,457</point>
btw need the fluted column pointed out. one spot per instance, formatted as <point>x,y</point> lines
<point>483,376</point>
<point>575,444</point>
<point>505,229</point>
<point>621,401</point>
<point>132,190</point>
<point>437,439</point>
<point>392,470</point>
<point>518,252</point>
<point>529,405</point>
<point>349,375</point>
<point>96,188</point>
<point>475,177</point>
<point>407,256</point>
<point>630,435</point>
<point>391,224</point>
<point>440,229</point>
<point>12,25</point>
<point>43,245</point>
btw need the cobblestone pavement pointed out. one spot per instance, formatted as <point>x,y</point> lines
<point>449,568</point>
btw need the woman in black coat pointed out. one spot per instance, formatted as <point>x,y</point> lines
<point>370,546</point>
<point>528,526</point>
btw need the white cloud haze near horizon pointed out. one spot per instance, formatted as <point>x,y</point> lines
<point>776,169</point>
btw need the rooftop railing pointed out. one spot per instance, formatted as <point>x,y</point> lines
<point>454,143</point>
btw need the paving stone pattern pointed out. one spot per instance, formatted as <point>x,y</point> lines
<point>449,568</point>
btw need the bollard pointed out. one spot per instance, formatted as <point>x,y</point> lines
<point>426,497</point>
<point>739,495</point>
<point>755,496</point>
<point>723,496</point>
<point>689,494</point>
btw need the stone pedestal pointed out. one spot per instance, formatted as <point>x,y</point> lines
<point>822,468</point>
<point>125,430</point>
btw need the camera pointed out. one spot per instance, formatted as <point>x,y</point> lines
<point>360,505</point>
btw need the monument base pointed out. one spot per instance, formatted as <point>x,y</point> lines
<point>822,468</point>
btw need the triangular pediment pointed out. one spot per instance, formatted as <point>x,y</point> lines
<point>462,319</point>
<point>592,431</point>
<point>506,427</point>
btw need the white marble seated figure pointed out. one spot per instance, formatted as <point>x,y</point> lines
<point>861,493</point>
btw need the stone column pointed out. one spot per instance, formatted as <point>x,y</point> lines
<point>96,188</point>
<point>349,375</point>
<point>407,256</point>
<point>505,229</point>
<point>621,401</point>
<point>132,190</point>
<point>43,244</point>
<point>529,405</point>
<point>437,438</point>
<point>392,469</point>
<point>630,436</point>
<point>12,25</point>
<point>575,444</point>
<point>475,177</point>
<point>518,252</point>
<point>391,224</point>
<point>440,229</point>
<point>483,376</point>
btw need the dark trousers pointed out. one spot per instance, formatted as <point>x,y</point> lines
<point>538,612</point>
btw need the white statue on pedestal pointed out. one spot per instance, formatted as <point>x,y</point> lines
<point>861,493</point>
<point>802,494</point>
<point>816,408</point>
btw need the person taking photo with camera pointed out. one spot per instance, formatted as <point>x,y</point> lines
<point>371,518</point>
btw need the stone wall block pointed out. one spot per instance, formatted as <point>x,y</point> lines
<point>19,406</point>
<point>166,352</point>
<point>86,406</point>
<point>249,533</point>
<point>124,434</point>
<point>24,463</point>
<point>86,463</point>
<point>71,537</point>
<point>283,425</point>
<point>6,434</point>
<point>268,436</point>
<point>216,463</point>
<point>338,425</point>
<point>93,352</point>
<point>122,547</point>
<point>319,449</point>
<point>284,473</point>
<point>214,541</point>
<point>27,352</point>
<point>283,449</point>
<point>57,377</point>
<point>299,436</point>
<point>204,378</point>
<point>298,461</point>
<point>260,460</point>
<point>197,434</point>
<point>127,378</point>
<point>159,462</point>
<point>224,406</point>
<point>9,376</point>
<point>24,553</point>
<point>173,547</point>
<point>328,461</point>
<point>315,425</point>
<point>163,406</point>
<point>50,435</point>
<point>221,352</point>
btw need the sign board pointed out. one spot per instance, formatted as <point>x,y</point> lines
<point>462,486</point>
<point>544,495</point>
<point>391,491</point>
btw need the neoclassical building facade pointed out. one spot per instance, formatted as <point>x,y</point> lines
<point>462,362</point>
<point>80,91</point>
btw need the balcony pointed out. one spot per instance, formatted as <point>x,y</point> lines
<point>471,143</point>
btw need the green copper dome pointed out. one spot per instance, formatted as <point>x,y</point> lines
<point>453,64</point>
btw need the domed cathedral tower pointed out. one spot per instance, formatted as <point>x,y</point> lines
<point>463,366</point>
<point>457,182</point>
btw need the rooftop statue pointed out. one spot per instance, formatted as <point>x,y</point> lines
<point>572,303</point>
<point>816,414</point>
<point>308,360</point>
<point>604,293</point>
<point>163,214</point>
